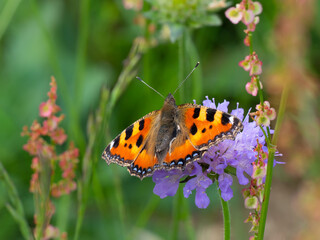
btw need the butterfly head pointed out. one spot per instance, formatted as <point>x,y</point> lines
<point>170,100</point>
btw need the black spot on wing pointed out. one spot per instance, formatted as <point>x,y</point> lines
<point>210,114</point>
<point>130,146</point>
<point>116,142</point>
<point>204,130</point>
<point>141,124</point>
<point>139,141</point>
<point>129,132</point>
<point>225,119</point>
<point>193,129</point>
<point>196,113</point>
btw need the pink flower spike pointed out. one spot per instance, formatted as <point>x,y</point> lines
<point>234,15</point>
<point>45,109</point>
<point>248,17</point>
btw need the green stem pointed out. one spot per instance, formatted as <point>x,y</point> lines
<point>250,41</point>
<point>42,196</point>
<point>226,218</point>
<point>259,90</point>
<point>81,50</point>
<point>119,199</point>
<point>7,13</point>
<point>88,165</point>
<point>97,129</point>
<point>176,213</point>
<point>191,235</point>
<point>16,207</point>
<point>265,204</point>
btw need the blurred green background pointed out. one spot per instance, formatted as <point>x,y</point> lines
<point>85,44</point>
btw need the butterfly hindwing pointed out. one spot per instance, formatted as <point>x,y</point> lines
<point>182,152</point>
<point>144,164</point>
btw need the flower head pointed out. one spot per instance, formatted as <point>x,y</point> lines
<point>175,16</point>
<point>239,154</point>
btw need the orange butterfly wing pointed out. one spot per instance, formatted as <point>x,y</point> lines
<point>204,127</point>
<point>208,126</point>
<point>127,146</point>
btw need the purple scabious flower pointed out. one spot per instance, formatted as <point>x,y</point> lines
<point>239,154</point>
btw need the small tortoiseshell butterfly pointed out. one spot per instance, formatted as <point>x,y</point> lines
<point>171,137</point>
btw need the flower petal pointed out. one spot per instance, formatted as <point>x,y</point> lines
<point>234,15</point>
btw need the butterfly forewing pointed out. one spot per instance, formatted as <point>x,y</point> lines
<point>208,126</point>
<point>125,148</point>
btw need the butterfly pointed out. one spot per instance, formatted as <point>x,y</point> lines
<point>170,138</point>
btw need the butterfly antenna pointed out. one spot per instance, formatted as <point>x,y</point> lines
<point>186,77</point>
<point>150,87</point>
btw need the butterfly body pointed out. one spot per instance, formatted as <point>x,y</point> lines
<point>171,137</point>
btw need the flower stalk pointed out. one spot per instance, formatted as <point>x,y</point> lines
<point>268,181</point>
<point>258,194</point>
<point>226,218</point>
<point>53,171</point>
